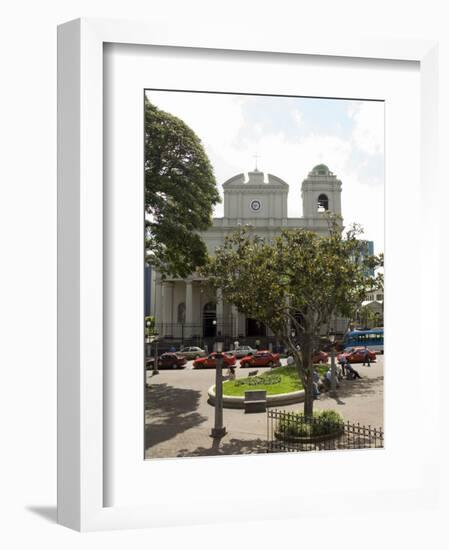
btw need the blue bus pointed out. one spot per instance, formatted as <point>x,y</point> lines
<point>372,338</point>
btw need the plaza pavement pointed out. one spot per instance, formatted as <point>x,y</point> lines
<point>178,418</point>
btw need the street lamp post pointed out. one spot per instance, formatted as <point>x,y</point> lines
<point>156,343</point>
<point>218,430</point>
<point>150,339</point>
<point>147,346</point>
<point>333,391</point>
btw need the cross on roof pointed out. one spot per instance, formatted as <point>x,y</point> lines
<point>256,156</point>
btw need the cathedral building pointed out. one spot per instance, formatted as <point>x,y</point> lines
<point>186,312</point>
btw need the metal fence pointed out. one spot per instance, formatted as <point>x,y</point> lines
<point>292,432</point>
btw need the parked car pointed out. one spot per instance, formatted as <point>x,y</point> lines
<point>211,362</point>
<point>263,358</point>
<point>320,357</point>
<point>167,360</point>
<point>356,355</point>
<point>243,351</point>
<point>192,352</point>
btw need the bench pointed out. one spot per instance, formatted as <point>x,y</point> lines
<point>255,401</point>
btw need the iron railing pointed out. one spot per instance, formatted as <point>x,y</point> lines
<point>293,432</point>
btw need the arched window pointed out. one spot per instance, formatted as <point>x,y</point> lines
<point>181,313</point>
<point>322,203</point>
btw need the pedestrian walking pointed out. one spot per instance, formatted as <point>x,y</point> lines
<point>366,357</point>
<point>343,363</point>
<point>316,381</point>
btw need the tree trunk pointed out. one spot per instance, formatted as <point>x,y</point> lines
<point>308,370</point>
<point>303,360</point>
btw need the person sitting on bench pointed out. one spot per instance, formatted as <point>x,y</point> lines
<point>328,379</point>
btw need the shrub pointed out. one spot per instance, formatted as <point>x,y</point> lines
<point>322,423</point>
<point>263,380</point>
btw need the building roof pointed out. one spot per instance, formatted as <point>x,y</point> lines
<point>256,177</point>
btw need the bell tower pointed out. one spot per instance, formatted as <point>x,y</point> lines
<point>321,192</point>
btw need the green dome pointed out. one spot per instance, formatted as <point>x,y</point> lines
<point>321,169</point>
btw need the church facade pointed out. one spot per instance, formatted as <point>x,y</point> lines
<point>186,313</point>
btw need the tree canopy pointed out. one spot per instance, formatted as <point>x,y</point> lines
<point>180,192</point>
<point>295,284</point>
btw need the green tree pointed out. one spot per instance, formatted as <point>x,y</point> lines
<point>180,191</point>
<point>368,317</point>
<point>150,325</point>
<point>298,281</point>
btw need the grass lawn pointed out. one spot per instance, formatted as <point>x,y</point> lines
<point>278,380</point>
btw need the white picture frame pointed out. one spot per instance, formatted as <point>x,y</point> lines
<point>82,395</point>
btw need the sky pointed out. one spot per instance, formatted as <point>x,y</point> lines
<point>290,136</point>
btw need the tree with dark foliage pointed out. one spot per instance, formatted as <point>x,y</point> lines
<point>180,192</point>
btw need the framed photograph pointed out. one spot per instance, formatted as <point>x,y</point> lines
<point>199,353</point>
<point>222,344</point>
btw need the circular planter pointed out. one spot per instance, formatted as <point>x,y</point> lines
<point>237,402</point>
<point>309,438</point>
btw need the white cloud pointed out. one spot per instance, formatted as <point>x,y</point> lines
<point>298,117</point>
<point>214,118</point>
<point>368,133</point>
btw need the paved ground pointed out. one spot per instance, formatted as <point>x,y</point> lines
<point>179,419</point>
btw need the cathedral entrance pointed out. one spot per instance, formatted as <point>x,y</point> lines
<point>255,328</point>
<point>210,320</point>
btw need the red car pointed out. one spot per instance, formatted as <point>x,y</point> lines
<point>167,360</point>
<point>356,355</point>
<point>320,357</point>
<point>263,358</point>
<point>210,361</point>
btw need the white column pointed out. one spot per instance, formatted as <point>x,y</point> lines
<point>189,309</point>
<point>219,312</point>
<point>167,305</point>
<point>235,321</point>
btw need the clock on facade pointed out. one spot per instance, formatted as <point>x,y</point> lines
<point>255,206</point>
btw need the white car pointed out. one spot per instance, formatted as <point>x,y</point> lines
<point>192,352</point>
<point>243,351</point>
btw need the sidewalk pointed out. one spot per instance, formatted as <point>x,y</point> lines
<point>358,400</point>
<point>179,419</point>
